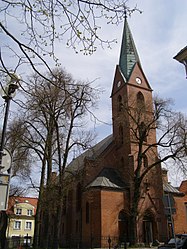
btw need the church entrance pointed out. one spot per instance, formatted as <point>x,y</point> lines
<point>149,228</point>
<point>123,225</point>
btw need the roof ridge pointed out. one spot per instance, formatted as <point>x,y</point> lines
<point>91,153</point>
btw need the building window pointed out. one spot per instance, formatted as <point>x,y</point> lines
<point>18,211</point>
<point>145,161</point>
<point>78,197</point>
<point>64,205</point>
<point>16,241</point>
<point>142,132</point>
<point>77,226</point>
<point>29,212</point>
<point>121,134</point>
<point>70,197</point>
<point>122,162</point>
<point>28,225</point>
<point>17,224</point>
<point>27,241</point>
<point>120,105</point>
<point>70,203</point>
<point>140,101</point>
<point>62,228</point>
<point>87,213</point>
<point>186,210</point>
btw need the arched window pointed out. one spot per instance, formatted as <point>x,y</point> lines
<point>123,224</point>
<point>150,227</point>
<point>69,201</point>
<point>70,196</point>
<point>64,204</point>
<point>62,228</point>
<point>120,105</point>
<point>77,226</point>
<point>78,197</point>
<point>142,132</point>
<point>140,101</point>
<point>122,162</point>
<point>121,134</point>
<point>122,215</point>
<point>145,161</point>
<point>87,212</point>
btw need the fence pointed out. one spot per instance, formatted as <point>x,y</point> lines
<point>19,242</point>
<point>92,242</point>
<point>108,242</point>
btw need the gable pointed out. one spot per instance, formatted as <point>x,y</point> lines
<point>138,78</point>
<point>119,81</point>
<point>92,153</point>
<point>108,178</point>
<point>21,202</point>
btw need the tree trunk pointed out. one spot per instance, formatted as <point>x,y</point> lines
<point>36,240</point>
<point>57,225</point>
<point>133,233</point>
<point>134,210</point>
<point>55,243</point>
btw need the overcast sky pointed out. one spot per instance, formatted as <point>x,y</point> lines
<point>159,33</point>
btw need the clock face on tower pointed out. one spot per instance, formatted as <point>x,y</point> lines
<point>138,80</point>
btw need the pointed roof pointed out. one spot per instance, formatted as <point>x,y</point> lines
<point>108,178</point>
<point>128,55</point>
<point>168,188</point>
<point>92,153</point>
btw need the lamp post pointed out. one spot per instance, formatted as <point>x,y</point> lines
<point>8,92</point>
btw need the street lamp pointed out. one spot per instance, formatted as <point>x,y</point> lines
<point>7,92</point>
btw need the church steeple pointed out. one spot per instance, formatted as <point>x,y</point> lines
<point>128,55</point>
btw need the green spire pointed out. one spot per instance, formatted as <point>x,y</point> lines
<point>128,54</point>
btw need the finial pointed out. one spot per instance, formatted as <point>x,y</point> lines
<point>125,13</point>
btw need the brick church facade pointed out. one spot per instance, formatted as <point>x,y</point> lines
<point>101,195</point>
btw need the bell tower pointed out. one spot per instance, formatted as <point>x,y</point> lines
<point>133,132</point>
<point>130,88</point>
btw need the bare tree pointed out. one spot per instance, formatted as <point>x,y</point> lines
<point>144,121</point>
<point>31,29</point>
<point>21,166</point>
<point>53,117</point>
<point>20,169</point>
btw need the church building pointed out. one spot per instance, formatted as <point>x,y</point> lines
<point>114,196</point>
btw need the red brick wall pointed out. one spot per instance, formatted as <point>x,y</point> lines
<point>180,218</point>
<point>93,228</point>
<point>106,205</point>
<point>112,203</point>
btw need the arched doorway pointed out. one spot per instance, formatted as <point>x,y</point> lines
<point>149,228</point>
<point>123,224</point>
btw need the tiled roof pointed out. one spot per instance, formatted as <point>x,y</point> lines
<point>18,199</point>
<point>168,188</point>
<point>128,55</point>
<point>108,178</point>
<point>77,163</point>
